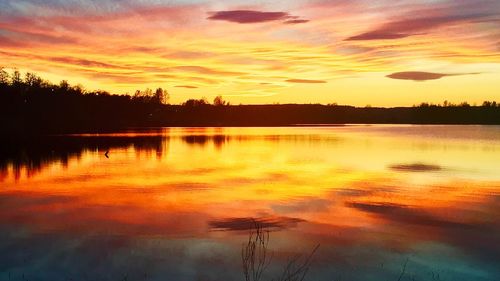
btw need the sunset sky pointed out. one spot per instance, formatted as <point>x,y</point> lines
<point>377,52</point>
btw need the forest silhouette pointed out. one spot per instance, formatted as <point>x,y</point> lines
<point>32,105</point>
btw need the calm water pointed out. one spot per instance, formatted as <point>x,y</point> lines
<point>177,204</point>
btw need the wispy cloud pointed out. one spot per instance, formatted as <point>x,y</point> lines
<point>250,16</point>
<point>416,167</point>
<point>305,81</point>
<point>246,16</point>
<point>409,24</point>
<point>296,21</point>
<point>422,75</point>
<point>205,70</point>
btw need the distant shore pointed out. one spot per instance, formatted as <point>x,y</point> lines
<point>76,119</point>
<point>35,106</point>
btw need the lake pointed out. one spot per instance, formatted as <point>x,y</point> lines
<point>383,202</point>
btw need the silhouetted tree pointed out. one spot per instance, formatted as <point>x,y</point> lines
<point>4,77</point>
<point>148,93</point>
<point>16,80</point>
<point>64,85</point>
<point>195,102</point>
<point>137,94</point>
<point>490,104</point>
<point>78,89</point>
<point>161,96</point>
<point>219,101</point>
<point>33,80</point>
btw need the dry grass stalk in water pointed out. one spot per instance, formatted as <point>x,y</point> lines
<point>256,258</point>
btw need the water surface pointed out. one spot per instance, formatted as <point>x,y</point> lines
<point>177,203</point>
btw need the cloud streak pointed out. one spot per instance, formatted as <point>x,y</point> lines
<point>416,167</point>
<point>305,81</point>
<point>407,215</point>
<point>422,75</point>
<point>250,16</point>
<point>415,26</point>
<point>205,70</point>
<point>297,21</point>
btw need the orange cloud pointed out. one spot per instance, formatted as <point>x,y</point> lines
<point>305,81</point>
<point>421,75</point>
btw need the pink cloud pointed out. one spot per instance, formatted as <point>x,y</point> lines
<point>249,16</point>
<point>441,16</point>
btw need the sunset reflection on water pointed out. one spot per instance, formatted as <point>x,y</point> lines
<point>176,203</point>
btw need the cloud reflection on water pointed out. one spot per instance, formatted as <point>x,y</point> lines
<point>328,186</point>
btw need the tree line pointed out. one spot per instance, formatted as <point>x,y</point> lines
<point>31,104</point>
<point>33,84</point>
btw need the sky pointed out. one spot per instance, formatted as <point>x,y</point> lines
<point>357,52</point>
